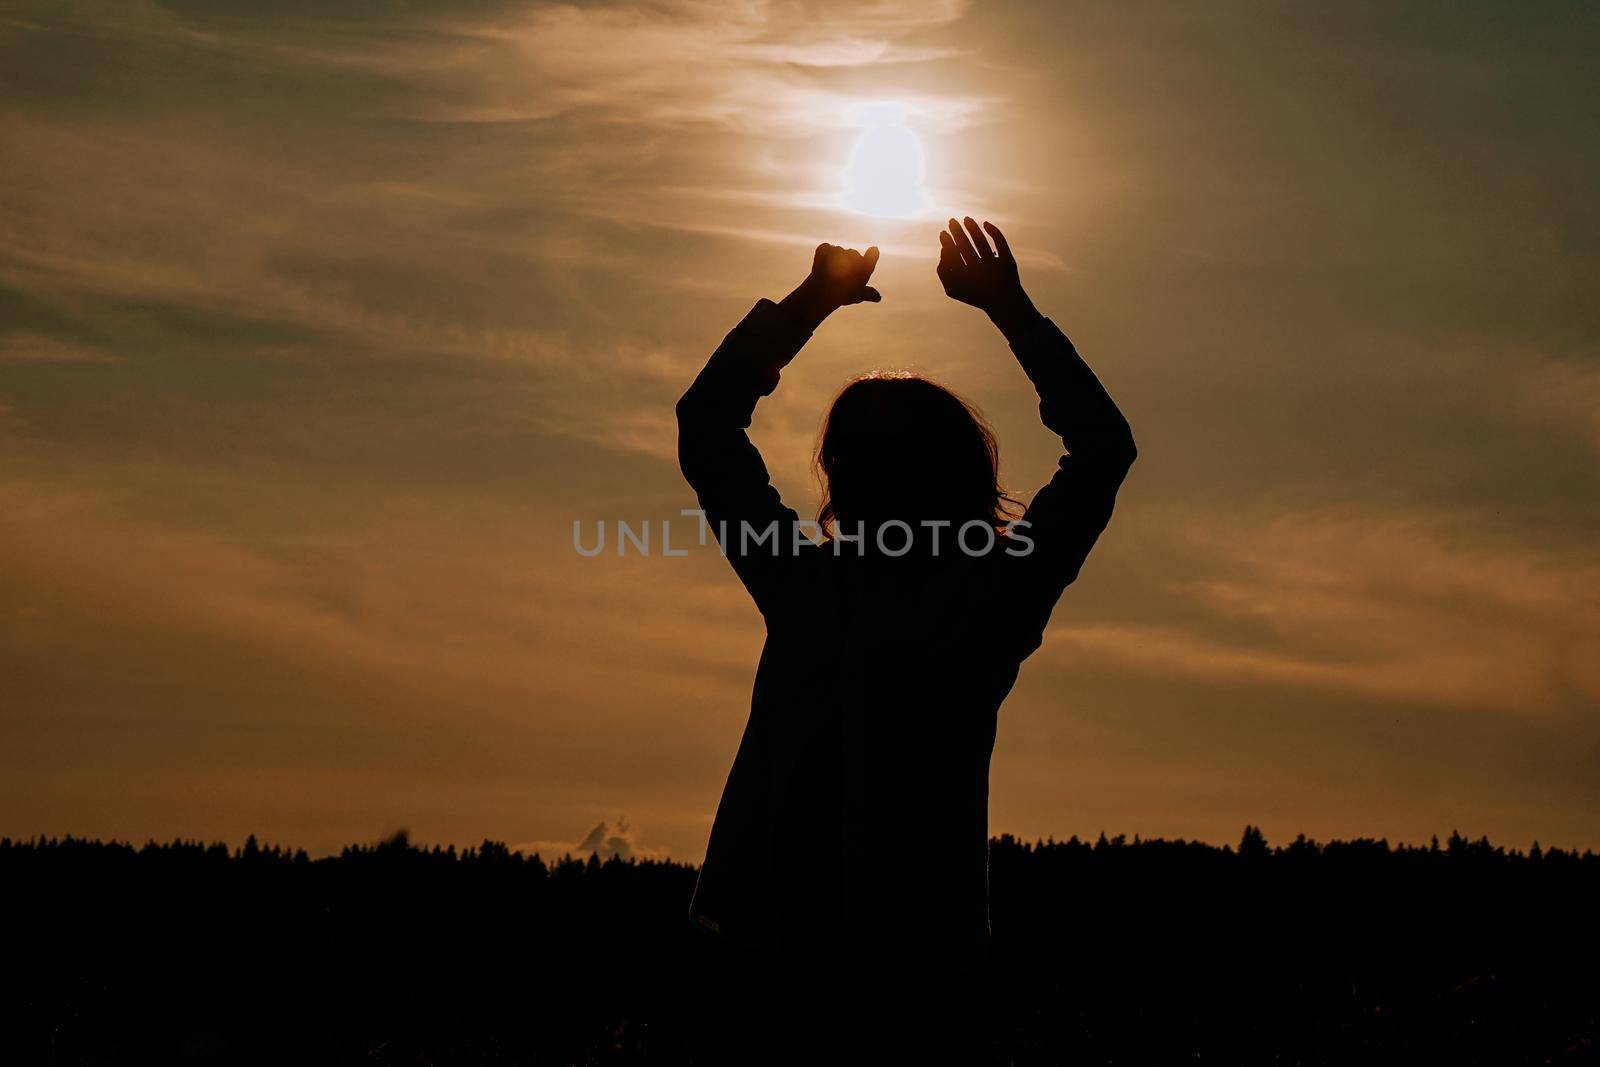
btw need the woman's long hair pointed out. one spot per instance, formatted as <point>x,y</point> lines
<point>898,446</point>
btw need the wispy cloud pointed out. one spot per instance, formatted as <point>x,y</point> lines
<point>607,840</point>
<point>39,348</point>
<point>1566,392</point>
<point>1413,608</point>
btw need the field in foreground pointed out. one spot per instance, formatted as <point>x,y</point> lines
<point>1104,953</point>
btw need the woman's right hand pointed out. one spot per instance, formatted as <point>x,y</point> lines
<point>984,277</point>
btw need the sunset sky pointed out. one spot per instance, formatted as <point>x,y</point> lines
<point>319,329</point>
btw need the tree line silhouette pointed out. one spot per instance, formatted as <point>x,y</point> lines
<point>1111,951</point>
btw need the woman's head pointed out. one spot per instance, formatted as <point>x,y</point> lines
<point>896,446</point>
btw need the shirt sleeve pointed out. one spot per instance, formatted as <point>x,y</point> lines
<point>758,534</point>
<point>1067,516</point>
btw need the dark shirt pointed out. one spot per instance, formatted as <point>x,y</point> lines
<point>857,805</point>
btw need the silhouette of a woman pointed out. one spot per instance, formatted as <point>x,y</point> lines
<point>855,817</point>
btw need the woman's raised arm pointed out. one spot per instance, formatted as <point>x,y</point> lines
<point>757,532</point>
<point>1067,515</point>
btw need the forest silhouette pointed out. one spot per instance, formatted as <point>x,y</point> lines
<point>1112,951</point>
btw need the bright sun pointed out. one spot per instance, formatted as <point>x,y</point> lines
<point>884,174</point>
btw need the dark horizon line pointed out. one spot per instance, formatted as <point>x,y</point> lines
<point>1252,840</point>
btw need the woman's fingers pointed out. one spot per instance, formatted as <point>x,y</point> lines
<point>969,255</point>
<point>999,240</point>
<point>869,262</point>
<point>978,241</point>
<point>949,255</point>
<point>870,295</point>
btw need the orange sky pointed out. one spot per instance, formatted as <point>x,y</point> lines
<point>319,329</point>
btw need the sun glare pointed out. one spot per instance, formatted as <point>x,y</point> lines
<point>885,171</point>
